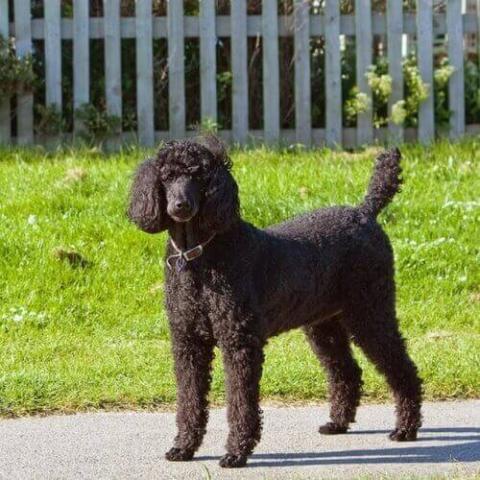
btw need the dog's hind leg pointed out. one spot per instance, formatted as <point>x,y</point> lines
<point>331,345</point>
<point>193,363</point>
<point>375,330</point>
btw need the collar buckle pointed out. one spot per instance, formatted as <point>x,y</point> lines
<point>183,257</point>
<point>193,253</point>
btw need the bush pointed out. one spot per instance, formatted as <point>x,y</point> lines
<point>97,124</point>
<point>16,74</point>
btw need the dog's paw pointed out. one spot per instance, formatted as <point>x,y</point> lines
<point>399,435</point>
<point>332,428</point>
<point>233,461</point>
<point>178,455</point>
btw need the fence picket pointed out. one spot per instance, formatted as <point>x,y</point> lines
<point>53,54</point>
<point>239,70</point>
<point>23,35</point>
<point>208,61</point>
<point>113,52</point>
<point>81,57</point>
<point>333,79</point>
<point>395,38</point>
<point>144,51</point>
<point>364,46</point>
<point>456,58</point>
<point>426,119</point>
<point>176,69</point>
<point>5,132</point>
<point>303,103</point>
<point>271,72</point>
<point>478,30</point>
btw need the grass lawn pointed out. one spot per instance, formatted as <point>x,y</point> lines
<point>90,331</point>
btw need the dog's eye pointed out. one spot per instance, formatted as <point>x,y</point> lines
<point>194,170</point>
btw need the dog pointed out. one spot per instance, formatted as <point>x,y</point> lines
<point>232,285</point>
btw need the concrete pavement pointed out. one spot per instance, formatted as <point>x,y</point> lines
<point>132,445</point>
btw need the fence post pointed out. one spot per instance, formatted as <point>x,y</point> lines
<point>426,115</point>
<point>303,97</point>
<point>113,56</point>
<point>456,58</point>
<point>239,52</point>
<point>4,104</point>
<point>333,75</point>
<point>364,46</point>
<point>81,57</point>
<point>144,52</point>
<point>271,72</point>
<point>23,35</point>
<point>208,61</point>
<point>176,69</point>
<point>395,67</point>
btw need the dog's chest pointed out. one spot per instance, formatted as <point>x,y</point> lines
<point>209,296</point>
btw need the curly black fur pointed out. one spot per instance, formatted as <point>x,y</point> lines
<point>329,272</point>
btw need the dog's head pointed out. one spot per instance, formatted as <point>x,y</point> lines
<point>185,180</point>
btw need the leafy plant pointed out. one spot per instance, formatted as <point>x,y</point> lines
<point>441,77</point>
<point>381,84</point>
<point>356,103</point>
<point>16,73</point>
<point>49,120</point>
<point>207,126</point>
<point>472,91</point>
<point>399,112</point>
<point>416,90</point>
<point>97,124</point>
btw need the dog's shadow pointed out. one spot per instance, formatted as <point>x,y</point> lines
<point>462,445</point>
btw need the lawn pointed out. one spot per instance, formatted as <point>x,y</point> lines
<point>81,319</point>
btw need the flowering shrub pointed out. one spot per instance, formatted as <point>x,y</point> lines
<point>356,103</point>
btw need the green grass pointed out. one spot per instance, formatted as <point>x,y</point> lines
<point>96,336</point>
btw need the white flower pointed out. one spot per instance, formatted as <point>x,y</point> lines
<point>399,113</point>
<point>32,220</point>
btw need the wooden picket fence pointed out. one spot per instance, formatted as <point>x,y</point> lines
<point>207,26</point>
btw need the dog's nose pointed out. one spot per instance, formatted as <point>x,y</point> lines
<point>183,205</point>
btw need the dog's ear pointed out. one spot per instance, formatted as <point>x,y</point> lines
<point>147,200</point>
<point>220,203</point>
<point>216,147</point>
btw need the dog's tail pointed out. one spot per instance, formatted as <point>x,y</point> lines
<point>384,184</point>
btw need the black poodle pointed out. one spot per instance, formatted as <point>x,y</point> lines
<point>232,285</point>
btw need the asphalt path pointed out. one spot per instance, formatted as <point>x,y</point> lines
<point>132,445</point>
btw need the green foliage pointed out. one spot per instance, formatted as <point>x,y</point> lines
<point>381,84</point>
<point>399,112</point>
<point>49,120</point>
<point>97,124</point>
<point>208,126</point>
<point>16,74</point>
<point>416,90</point>
<point>356,103</point>
<point>472,91</point>
<point>82,323</point>
<point>441,77</point>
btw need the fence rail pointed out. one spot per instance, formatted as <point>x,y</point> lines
<point>301,25</point>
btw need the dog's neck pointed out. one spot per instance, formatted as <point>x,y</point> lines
<point>187,235</point>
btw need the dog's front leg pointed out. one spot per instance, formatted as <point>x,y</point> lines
<point>193,360</point>
<point>243,369</point>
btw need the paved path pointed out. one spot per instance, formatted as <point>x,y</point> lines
<point>131,446</point>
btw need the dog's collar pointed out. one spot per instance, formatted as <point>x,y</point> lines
<point>184,256</point>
